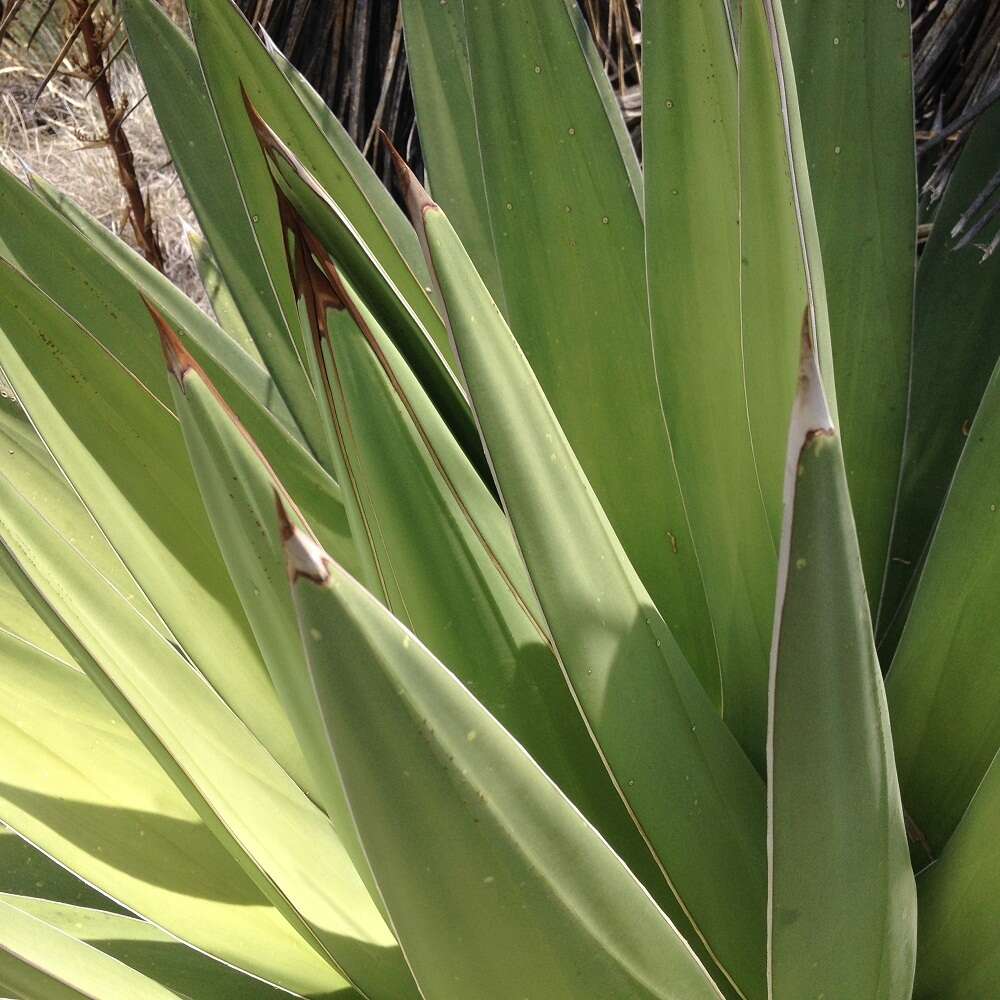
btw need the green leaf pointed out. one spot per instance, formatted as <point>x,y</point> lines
<point>437,57</point>
<point>959,942</point>
<point>220,295</point>
<point>391,216</point>
<point>519,870</point>
<point>563,194</point>
<point>842,902</point>
<point>437,549</point>
<point>147,950</point>
<point>28,463</point>
<point>236,218</point>
<point>781,269</point>
<point>943,685</point>
<point>693,793</point>
<point>239,489</point>
<point>341,240</point>
<point>40,962</point>
<point>954,348</point>
<point>855,89</point>
<point>68,268</point>
<point>692,201</point>
<point>235,63</point>
<point>246,800</point>
<point>124,454</point>
<point>78,784</point>
<point>26,871</point>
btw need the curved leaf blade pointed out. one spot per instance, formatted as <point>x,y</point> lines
<point>561,178</point>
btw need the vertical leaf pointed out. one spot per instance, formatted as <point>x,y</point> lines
<point>943,684</point>
<point>855,92</point>
<point>780,256</point>
<point>955,344</point>
<point>689,787</point>
<point>693,265</point>
<point>842,902</point>
<point>563,194</point>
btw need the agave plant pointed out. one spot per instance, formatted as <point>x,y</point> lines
<point>483,607</point>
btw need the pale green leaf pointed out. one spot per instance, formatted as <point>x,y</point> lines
<point>40,962</point>
<point>148,950</point>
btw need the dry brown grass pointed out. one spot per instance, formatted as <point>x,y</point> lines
<point>55,138</point>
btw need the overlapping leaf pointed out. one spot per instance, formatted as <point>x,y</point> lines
<point>690,788</point>
<point>456,818</point>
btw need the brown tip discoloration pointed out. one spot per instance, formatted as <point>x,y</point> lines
<point>415,194</point>
<point>810,405</point>
<point>177,356</point>
<point>304,557</point>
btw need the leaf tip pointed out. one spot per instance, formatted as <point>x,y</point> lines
<point>178,358</point>
<point>304,556</point>
<point>812,414</point>
<point>415,194</point>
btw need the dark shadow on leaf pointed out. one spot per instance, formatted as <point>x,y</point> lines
<point>175,854</point>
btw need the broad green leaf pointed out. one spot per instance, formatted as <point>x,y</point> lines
<point>955,345</point>
<point>564,196</point>
<point>41,962</point>
<point>693,266</point>
<point>781,267</point>
<point>959,940</point>
<point>438,551</point>
<point>855,91</point>
<point>343,243</point>
<point>246,380</point>
<point>147,950</point>
<point>124,454</point>
<point>237,219</point>
<point>691,790</point>
<point>527,899</point>
<point>245,799</point>
<point>239,489</point>
<point>943,685</point>
<point>27,462</point>
<point>78,784</point>
<point>392,217</point>
<point>238,68</point>
<point>841,899</point>
<point>437,57</point>
<point>69,267</point>
<point>220,295</point>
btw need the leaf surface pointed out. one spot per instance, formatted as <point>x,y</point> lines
<point>691,790</point>
<point>519,872</point>
<point>841,903</point>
